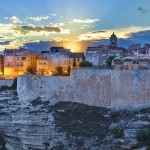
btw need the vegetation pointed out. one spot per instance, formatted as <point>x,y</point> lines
<point>143,137</point>
<point>118,133</point>
<point>109,61</point>
<point>60,71</point>
<point>85,64</point>
<point>30,71</point>
<point>36,102</point>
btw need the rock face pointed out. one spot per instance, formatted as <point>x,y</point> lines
<point>39,125</point>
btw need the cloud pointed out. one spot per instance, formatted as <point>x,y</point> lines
<point>52,14</point>
<point>27,29</point>
<point>15,20</point>
<point>142,10</point>
<point>141,35</point>
<point>85,26</point>
<point>5,43</point>
<point>6,18</point>
<point>39,18</point>
<point>85,21</point>
<point>57,24</point>
<point>121,33</point>
<point>99,31</point>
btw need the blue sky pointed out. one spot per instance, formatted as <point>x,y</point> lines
<point>72,21</point>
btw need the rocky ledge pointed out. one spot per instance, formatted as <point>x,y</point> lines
<point>41,125</point>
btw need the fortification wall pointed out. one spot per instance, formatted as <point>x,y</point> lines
<point>6,83</point>
<point>90,86</point>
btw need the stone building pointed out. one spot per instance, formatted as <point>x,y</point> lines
<point>1,65</point>
<point>113,40</point>
<point>16,61</point>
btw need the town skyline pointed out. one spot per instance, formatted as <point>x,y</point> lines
<point>72,24</point>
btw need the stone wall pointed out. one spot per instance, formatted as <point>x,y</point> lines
<point>90,86</point>
<point>6,83</point>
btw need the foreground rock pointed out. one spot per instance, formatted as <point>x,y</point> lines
<point>39,125</point>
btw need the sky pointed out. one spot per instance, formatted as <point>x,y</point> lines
<point>74,24</point>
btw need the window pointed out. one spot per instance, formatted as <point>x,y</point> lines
<point>23,58</point>
<point>8,64</point>
<point>9,53</point>
<point>19,63</point>
<point>42,63</point>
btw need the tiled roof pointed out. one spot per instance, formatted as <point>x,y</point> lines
<point>77,55</point>
<point>56,48</point>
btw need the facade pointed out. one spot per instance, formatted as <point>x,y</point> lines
<point>59,56</point>
<point>116,53</point>
<point>138,51</point>
<point>56,56</point>
<point>16,61</point>
<point>1,65</point>
<point>75,59</point>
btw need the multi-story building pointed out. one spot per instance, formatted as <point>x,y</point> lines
<point>99,55</point>
<point>16,61</point>
<point>1,65</point>
<point>57,56</point>
<point>138,51</point>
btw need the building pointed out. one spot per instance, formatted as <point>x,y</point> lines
<point>116,53</point>
<point>75,59</point>
<point>138,51</point>
<point>57,56</point>
<point>16,61</point>
<point>113,40</point>
<point>1,65</point>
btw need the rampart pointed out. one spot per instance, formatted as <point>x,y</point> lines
<point>90,86</point>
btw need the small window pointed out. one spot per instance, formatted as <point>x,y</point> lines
<point>23,58</point>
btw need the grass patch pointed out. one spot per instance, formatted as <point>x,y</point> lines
<point>118,133</point>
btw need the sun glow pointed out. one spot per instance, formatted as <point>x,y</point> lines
<point>74,46</point>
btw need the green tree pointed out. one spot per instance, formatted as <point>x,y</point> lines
<point>109,61</point>
<point>30,71</point>
<point>85,63</point>
<point>59,71</point>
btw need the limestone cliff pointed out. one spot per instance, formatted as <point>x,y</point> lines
<point>41,125</point>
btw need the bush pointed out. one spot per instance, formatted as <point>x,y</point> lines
<point>118,133</point>
<point>109,61</point>
<point>36,102</point>
<point>85,64</point>
<point>30,71</point>
<point>144,136</point>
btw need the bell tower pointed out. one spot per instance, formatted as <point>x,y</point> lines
<point>113,40</point>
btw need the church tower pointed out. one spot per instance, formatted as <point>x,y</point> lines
<point>113,40</point>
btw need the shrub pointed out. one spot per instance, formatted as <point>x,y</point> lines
<point>36,102</point>
<point>118,133</point>
<point>109,61</point>
<point>30,71</point>
<point>85,64</point>
<point>143,136</point>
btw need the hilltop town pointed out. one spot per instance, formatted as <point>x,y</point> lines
<point>15,62</point>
